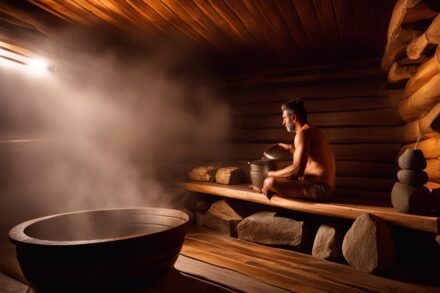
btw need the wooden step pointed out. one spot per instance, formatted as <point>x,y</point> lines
<point>333,209</point>
<point>286,269</point>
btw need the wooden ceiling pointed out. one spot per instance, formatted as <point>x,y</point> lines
<point>264,31</point>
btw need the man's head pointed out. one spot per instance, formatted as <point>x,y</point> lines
<point>294,112</point>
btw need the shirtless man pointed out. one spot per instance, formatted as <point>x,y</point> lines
<point>312,172</point>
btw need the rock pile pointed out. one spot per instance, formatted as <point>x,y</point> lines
<point>409,195</point>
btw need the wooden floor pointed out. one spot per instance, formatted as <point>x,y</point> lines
<point>215,263</point>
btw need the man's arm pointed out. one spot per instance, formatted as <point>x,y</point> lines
<point>287,147</point>
<point>300,157</point>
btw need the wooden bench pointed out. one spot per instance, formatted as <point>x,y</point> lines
<point>333,209</point>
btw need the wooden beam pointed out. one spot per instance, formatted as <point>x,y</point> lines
<point>422,101</point>
<point>374,152</point>
<point>340,210</point>
<point>383,117</point>
<point>335,135</point>
<point>423,74</point>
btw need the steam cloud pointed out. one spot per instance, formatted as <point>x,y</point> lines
<point>108,126</point>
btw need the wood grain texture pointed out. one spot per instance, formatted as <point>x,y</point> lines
<point>383,117</point>
<point>341,210</point>
<point>374,152</point>
<point>281,31</point>
<point>422,101</point>
<point>429,146</point>
<point>335,135</point>
<point>286,269</point>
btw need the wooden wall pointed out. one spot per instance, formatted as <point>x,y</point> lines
<point>346,101</point>
<point>415,63</point>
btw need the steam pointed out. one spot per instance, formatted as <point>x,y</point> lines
<point>108,125</point>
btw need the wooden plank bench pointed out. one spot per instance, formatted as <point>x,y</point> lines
<point>333,209</point>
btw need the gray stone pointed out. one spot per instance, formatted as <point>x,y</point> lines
<point>413,160</point>
<point>411,199</point>
<point>328,241</point>
<point>268,228</point>
<point>412,177</point>
<point>229,175</point>
<point>202,173</point>
<point>369,245</point>
<point>222,217</point>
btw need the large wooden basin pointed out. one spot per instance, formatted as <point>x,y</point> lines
<point>98,248</point>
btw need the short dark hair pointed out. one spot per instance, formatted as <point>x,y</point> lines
<point>296,106</point>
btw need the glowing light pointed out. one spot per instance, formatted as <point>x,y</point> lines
<point>37,66</point>
<point>34,66</point>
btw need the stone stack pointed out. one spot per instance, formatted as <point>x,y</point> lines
<point>409,195</point>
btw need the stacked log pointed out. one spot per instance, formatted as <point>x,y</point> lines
<point>420,101</point>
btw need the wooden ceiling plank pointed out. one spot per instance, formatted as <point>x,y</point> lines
<point>246,21</point>
<point>58,10</point>
<point>224,28</point>
<point>276,19</point>
<point>201,32</point>
<point>259,32</point>
<point>232,25</point>
<point>324,12</point>
<point>310,22</point>
<point>96,12</point>
<point>124,17</point>
<point>206,20</point>
<point>145,16</point>
<point>295,24</point>
<point>288,23</point>
<point>75,9</point>
<point>162,18</point>
<point>263,23</point>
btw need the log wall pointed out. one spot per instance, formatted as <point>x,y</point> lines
<point>346,102</point>
<point>419,103</point>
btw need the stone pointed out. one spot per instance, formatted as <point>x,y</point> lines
<point>412,177</point>
<point>202,173</point>
<point>411,199</point>
<point>229,175</point>
<point>223,218</point>
<point>328,241</point>
<point>368,245</point>
<point>412,159</point>
<point>271,229</point>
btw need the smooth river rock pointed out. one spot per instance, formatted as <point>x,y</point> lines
<point>412,159</point>
<point>411,199</point>
<point>412,177</point>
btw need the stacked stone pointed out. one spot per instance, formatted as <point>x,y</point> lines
<point>409,195</point>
